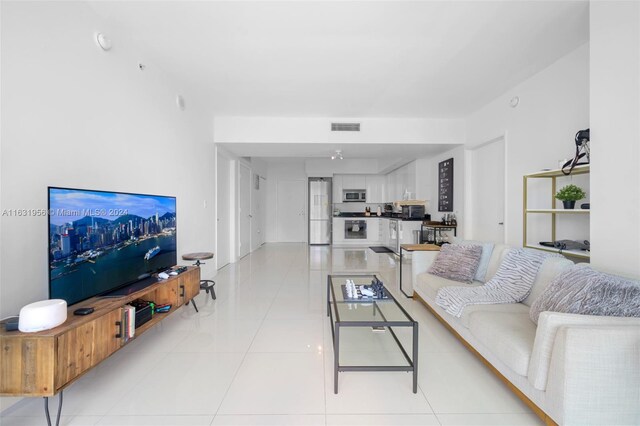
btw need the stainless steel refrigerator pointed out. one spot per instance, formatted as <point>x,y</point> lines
<point>320,210</point>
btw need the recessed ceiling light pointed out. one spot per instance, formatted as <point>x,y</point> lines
<point>103,41</point>
<point>337,155</point>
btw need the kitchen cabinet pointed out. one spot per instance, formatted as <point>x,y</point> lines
<point>408,230</point>
<point>391,186</point>
<point>337,188</point>
<point>354,182</point>
<point>373,230</point>
<point>401,180</point>
<point>375,186</point>
<point>338,230</point>
<point>384,232</point>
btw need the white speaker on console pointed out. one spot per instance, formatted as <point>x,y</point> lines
<point>42,315</point>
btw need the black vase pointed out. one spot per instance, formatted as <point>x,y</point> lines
<point>569,204</point>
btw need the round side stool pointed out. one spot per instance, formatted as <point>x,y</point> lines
<point>206,285</point>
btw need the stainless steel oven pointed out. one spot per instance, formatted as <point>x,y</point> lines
<point>355,229</point>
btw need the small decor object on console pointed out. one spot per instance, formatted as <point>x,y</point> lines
<point>42,315</point>
<point>162,309</point>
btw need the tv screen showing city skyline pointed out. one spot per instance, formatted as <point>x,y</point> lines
<point>100,241</point>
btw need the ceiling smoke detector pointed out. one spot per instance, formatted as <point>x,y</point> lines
<point>103,41</point>
<point>337,155</point>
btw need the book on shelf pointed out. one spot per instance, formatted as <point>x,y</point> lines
<point>129,322</point>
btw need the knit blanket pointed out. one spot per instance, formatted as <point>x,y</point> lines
<point>511,284</point>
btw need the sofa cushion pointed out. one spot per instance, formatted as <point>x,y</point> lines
<point>505,308</point>
<point>429,285</point>
<point>497,256</point>
<point>508,336</point>
<point>549,270</point>
<point>551,323</point>
<point>457,262</point>
<point>582,290</point>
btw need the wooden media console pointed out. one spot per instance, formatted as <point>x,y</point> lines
<point>44,363</point>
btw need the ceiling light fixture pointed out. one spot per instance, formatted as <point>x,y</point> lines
<point>337,155</point>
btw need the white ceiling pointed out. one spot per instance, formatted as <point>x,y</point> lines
<point>347,58</point>
<point>324,150</point>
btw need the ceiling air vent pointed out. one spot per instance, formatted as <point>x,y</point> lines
<point>345,127</point>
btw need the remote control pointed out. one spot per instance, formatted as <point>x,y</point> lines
<point>83,311</point>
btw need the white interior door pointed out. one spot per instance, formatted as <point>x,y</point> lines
<point>291,211</point>
<point>244,209</point>
<point>223,190</point>
<point>488,192</point>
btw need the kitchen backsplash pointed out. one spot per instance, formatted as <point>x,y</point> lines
<point>356,207</point>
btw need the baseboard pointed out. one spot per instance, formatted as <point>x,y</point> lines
<point>537,410</point>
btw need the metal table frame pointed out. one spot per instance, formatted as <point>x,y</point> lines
<point>436,228</point>
<point>337,324</point>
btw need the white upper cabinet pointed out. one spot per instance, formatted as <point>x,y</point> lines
<point>375,185</point>
<point>354,182</point>
<point>337,188</point>
<point>391,186</point>
<point>376,188</point>
<point>401,180</point>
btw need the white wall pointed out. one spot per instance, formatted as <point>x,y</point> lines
<point>75,116</point>
<point>615,135</point>
<point>318,130</point>
<point>282,169</point>
<point>258,203</point>
<point>321,167</point>
<point>554,105</point>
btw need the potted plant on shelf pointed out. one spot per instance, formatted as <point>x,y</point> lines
<point>569,195</point>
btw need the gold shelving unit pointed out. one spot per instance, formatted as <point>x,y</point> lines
<point>552,175</point>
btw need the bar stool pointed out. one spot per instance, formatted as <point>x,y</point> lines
<point>206,285</point>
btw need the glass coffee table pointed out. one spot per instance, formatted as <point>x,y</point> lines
<point>367,328</point>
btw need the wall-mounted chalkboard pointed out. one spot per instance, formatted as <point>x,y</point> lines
<point>445,185</point>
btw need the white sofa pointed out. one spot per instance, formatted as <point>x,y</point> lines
<point>570,369</point>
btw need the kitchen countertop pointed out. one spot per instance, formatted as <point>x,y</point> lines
<point>374,216</point>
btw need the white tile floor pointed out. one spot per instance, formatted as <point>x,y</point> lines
<point>261,354</point>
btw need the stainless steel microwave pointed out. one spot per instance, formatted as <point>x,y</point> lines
<point>354,196</point>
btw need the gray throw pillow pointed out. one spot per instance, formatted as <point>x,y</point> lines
<point>487,250</point>
<point>457,262</point>
<point>581,290</point>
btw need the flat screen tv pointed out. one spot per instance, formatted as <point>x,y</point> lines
<point>101,242</point>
